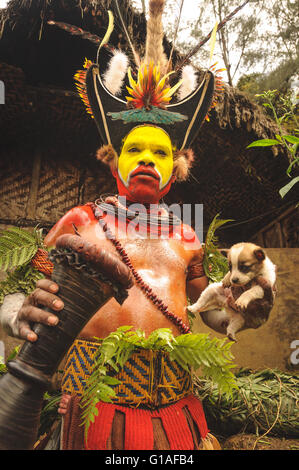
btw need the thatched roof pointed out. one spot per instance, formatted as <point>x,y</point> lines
<point>37,64</point>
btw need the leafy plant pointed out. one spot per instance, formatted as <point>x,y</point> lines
<point>49,413</point>
<point>214,263</point>
<point>194,351</point>
<point>265,402</point>
<point>17,248</point>
<point>3,367</point>
<point>288,141</point>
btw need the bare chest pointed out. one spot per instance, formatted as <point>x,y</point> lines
<point>160,255</point>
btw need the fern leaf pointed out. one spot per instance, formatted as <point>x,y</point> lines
<point>22,279</point>
<point>214,263</point>
<point>21,234</point>
<point>17,256</point>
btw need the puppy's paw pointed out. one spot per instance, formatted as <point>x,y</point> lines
<point>193,308</point>
<point>232,337</point>
<point>242,303</point>
<point>226,281</point>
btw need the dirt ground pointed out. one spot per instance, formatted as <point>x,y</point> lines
<point>252,442</point>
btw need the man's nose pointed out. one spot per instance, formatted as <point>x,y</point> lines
<point>146,159</point>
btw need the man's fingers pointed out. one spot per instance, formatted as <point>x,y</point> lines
<point>25,332</point>
<point>37,315</point>
<point>47,285</point>
<point>42,297</point>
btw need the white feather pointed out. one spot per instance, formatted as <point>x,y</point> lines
<point>115,74</point>
<point>189,82</point>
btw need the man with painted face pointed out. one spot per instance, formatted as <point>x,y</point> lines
<point>145,166</point>
<point>154,407</point>
<point>144,173</point>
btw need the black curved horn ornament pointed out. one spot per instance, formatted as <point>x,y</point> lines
<point>87,277</point>
<point>194,107</point>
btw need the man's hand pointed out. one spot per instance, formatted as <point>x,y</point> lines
<point>42,296</point>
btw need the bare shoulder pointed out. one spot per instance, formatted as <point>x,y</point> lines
<point>191,243</point>
<point>75,218</point>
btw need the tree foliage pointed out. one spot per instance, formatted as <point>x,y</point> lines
<point>261,37</point>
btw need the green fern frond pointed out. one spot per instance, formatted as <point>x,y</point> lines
<point>214,263</point>
<point>17,247</point>
<point>22,279</point>
<point>19,234</point>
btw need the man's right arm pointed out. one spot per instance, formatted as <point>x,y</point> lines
<point>17,311</point>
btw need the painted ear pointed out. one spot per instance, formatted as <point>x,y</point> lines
<point>259,254</point>
<point>224,251</point>
<point>108,155</point>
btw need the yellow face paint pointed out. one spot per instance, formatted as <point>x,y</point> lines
<point>146,146</point>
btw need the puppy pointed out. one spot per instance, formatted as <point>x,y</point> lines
<point>250,270</point>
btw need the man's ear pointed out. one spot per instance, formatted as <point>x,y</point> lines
<point>108,155</point>
<point>182,162</point>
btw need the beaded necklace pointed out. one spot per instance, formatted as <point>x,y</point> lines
<point>147,290</point>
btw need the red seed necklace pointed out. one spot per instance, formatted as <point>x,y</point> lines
<point>184,329</point>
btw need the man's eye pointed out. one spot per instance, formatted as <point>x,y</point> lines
<point>133,149</point>
<point>160,152</point>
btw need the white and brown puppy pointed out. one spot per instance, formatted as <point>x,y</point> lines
<point>248,264</point>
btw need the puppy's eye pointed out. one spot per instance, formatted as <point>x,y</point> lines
<point>244,269</point>
<point>230,266</point>
<point>133,149</point>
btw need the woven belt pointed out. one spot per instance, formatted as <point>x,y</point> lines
<point>148,378</point>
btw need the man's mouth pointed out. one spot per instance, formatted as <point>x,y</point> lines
<point>144,171</point>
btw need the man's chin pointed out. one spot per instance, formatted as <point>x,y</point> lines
<point>144,194</point>
<point>140,191</point>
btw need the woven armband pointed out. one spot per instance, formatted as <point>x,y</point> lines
<point>195,271</point>
<point>42,263</point>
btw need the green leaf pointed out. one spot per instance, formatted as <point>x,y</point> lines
<point>291,138</point>
<point>285,189</point>
<point>263,143</point>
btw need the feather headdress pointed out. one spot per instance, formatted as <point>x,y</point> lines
<point>123,97</point>
<point>147,96</point>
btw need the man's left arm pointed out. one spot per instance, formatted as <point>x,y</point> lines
<point>197,281</point>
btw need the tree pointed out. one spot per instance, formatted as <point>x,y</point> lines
<point>258,39</point>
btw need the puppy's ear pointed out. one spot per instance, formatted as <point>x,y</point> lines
<point>224,251</point>
<point>259,254</point>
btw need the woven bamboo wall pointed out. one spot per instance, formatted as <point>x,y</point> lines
<point>14,186</point>
<point>43,186</point>
<point>281,232</point>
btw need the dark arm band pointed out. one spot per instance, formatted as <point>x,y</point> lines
<point>195,271</point>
